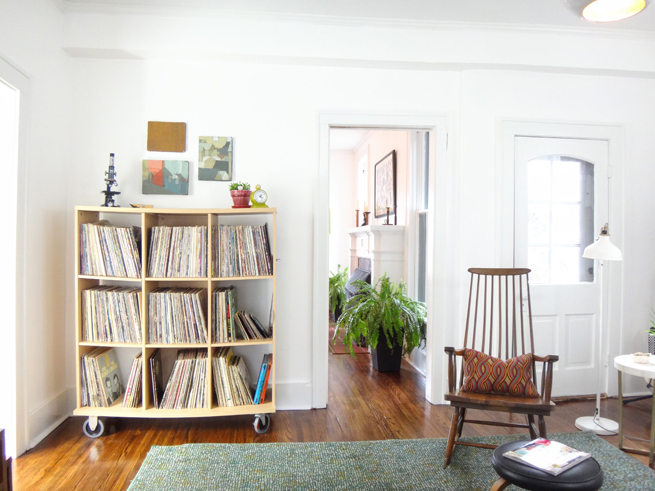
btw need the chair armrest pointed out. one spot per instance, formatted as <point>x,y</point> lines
<point>546,375</point>
<point>452,367</point>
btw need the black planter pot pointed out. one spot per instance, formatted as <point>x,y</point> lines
<point>386,359</point>
<point>336,313</point>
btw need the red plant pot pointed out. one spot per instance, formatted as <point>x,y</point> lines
<point>241,198</point>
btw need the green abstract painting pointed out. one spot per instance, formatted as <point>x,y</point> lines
<point>215,158</point>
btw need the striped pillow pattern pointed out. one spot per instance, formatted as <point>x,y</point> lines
<point>485,374</point>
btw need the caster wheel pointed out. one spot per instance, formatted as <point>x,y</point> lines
<point>86,428</point>
<point>262,423</point>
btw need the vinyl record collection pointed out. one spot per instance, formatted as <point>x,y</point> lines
<point>177,315</point>
<point>228,324</point>
<point>101,379</point>
<point>178,252</point>
<point>132,396</point>
<point>262,381</point>
<point>111,314</point>
<point>241,250</point>
<point>232,381</point>
<point>109,251</point>
<point>186,387</point>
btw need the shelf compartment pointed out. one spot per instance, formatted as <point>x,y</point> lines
<point>253,342</point>
<point>151,412</point>
<point>238,278</point>
<point>112,278</point>
<point>155,278</point>
<point>98,344</point>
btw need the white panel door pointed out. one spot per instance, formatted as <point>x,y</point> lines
<point>560,204</point>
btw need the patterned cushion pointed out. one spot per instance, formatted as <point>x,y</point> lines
<point>485,374</point>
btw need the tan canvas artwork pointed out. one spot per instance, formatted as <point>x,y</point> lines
<point>215,158</point>
<point>166,137</point>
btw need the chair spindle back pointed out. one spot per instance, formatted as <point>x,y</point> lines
<point>497,305</point>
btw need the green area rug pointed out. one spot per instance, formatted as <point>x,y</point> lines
<point>370,465</point>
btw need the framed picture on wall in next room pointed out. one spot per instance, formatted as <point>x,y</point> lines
<point>385,185</point>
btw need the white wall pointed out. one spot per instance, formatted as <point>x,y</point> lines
<point>377,145</point>
<point>265,83</point>
<point>30,39</point>
<point>343,201</point>
<point>268,95</point>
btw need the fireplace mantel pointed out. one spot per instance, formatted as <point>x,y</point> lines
<point>384,245</point>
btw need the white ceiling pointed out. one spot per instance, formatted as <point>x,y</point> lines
<point>346,138</point>
<point>543,13</point>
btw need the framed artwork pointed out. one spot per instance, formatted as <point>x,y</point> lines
<point>166,137</point>
<point>165,177</point>
<point>385,185</point>
<point>215,158</point>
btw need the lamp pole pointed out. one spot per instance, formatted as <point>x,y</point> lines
<point>602,250</point>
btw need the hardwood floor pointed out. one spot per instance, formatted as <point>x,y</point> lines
<point>363,405</point>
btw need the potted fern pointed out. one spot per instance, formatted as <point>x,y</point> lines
<point>337,285</point>
<point>651,334</point>
<point>240,192</point>
<point>392,323</point>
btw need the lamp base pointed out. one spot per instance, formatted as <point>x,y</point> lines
<point>600,426</point>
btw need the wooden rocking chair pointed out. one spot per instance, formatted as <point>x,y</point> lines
<point>502,330</point>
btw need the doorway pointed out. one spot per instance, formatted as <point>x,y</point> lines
<point>438,267</point>
<point>14,95</point>
<point>560,197</point>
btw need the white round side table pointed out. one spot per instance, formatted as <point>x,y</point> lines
<point>624,364</point>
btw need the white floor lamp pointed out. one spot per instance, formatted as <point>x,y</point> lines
<point>603,250</point>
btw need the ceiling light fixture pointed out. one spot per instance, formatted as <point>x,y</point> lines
<point>606,10</point>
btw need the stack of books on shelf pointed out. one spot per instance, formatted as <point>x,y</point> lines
<point>228,324</point>
<point>156,378</point>
<point>177,315</point>
<point>241,250</point>
<point>231,379</point>
<point>186,387</point>
<point>548,456</point>
<point>111,314</point>
<point>249,327</point>
<point>224,300</point>
<point>101,380</point>
<point>109,251</point>
<point>132,398</point>
<point>262,382</point>
<point>178,252</point>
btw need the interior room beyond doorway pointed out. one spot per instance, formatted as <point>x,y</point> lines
<point>361,213</point>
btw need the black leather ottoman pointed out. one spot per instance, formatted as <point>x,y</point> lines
<point>586,476</point>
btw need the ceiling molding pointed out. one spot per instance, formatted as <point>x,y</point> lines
<point>267,59</point>
<point>61,5</point>
<point>69,7</point>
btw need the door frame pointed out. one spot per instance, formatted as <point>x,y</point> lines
<point>614,135</point>
<point>440,271</point>
<point>18,79</point>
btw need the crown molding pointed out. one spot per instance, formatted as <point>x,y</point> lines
<point>61,5</point>
<point>607,31</point>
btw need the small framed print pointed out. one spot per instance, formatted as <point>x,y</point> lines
<point>215,158</point>
<point>385,185</point>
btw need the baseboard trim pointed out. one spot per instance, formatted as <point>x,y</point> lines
<point>290,396</point>
<point>44,418</point>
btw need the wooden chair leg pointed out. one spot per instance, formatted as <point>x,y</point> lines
<point>451,437</point>
<point>534,433</point>
<point>460,423</point>
<point>542,427</point>
<point>500,484</point>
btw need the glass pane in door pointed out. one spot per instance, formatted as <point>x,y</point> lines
<point>560,219</point>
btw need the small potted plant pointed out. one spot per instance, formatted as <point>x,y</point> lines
<point>392,323</point>
<point>240,192</point>
<point>651,334</point>
<point>337,285</point>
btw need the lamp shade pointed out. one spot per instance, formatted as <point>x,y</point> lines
<point>606,10</point>
<point>603,248</point>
